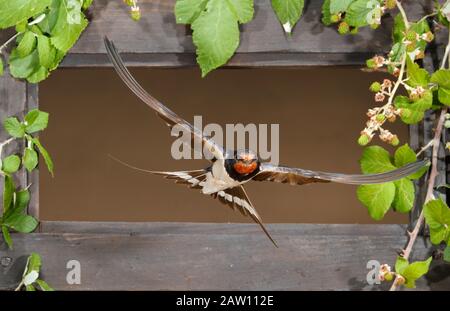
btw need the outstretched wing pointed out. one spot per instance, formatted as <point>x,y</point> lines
<point>237,198</point>
<point>170,117</point>
<point>298,176</point>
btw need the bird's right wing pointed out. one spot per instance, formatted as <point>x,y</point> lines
<point>170,117</point>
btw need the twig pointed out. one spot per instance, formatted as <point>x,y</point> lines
<point>3,144</point>
<point>431,181</point>
<point>8,42</point>
<point>430,143</point>
<point>403,13</point>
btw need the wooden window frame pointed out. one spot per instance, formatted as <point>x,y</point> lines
<point>119,255</point>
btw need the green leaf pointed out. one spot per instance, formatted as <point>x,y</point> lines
<point>288,12</point>
<point>243,9</point>
<point>14,127</point>
<point>437,216</point>
<point>359,13</point>
<point>36,120</point>
<point>444,96</point>
<point>414,271</point>
<point>21,222</point>
<point>398,32</point>
<point>216,35</point>
<point>13,12</point>
<point>326,15</point>
<point>48,160</point>
<point>34,263</point>
<point>27,44</point>
<point>22,200</point>
<point>66,31</point>
<point>23,67</point>
<point>404,155</point>
<point>416,76</point>
<point>8,192</point>
<point>11,164</point>
<point>404,195</point>
<point>44,286</point>
<point>375,159</point>
<point>377,198</point>
<point>86,4</point>
<point>7,237</point>
<point>40,74</point>
<point>46,51</point>
<point>1,66</point>
<point>30,288</point>
<point>186,11</point>
<point>30,159</point>
<point>337,6</point>
<point>447,254</point>
<point>416,108</point>
<point>441,78</point>
<point>401,264</point>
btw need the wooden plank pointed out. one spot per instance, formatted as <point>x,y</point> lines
<point>186,256</point>
<point>157,40</point>
<point>16,98</point>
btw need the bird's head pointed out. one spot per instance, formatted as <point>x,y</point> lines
<point>246,162</point>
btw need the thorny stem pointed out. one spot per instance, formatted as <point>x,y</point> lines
<point>430,143</point>
<point>403,13</point>
<point>413,234</point>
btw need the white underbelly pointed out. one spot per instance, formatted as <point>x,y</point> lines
<point>218,179</point>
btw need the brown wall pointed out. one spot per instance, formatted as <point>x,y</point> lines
<point>320,112</point>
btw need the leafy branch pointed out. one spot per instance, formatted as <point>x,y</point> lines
<point>15,201</point>
<point>30,278</point>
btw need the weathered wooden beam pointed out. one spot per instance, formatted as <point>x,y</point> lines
<point>16,99</point>
<point>156,40</point>
<point>186,256</point>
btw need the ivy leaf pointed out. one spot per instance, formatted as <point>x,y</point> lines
<point>447,254</point>
<point>7,237</point>
<point>11,164</point>
<point>48,160</point>
<point>36,120</point>
<point>16,11</point>
<point>414,271</point>
<point>416,76</point>
<point>375,159</point>
<point>30,159</point>
<point>404,195</point>
<point>288,12</point>
<point>216,35</point>
<point>377,198</point>
<point>337,6</point>
<point>8,192</point>
<point>66,31</point>
<point>27,44</point>
<point>186,11</point>
<point>14,127</point>
<point>437,216</point>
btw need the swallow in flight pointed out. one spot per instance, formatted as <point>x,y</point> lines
<point>230,169</point>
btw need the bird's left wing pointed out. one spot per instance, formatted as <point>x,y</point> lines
<point>298,176</point>
<point>170,117</point>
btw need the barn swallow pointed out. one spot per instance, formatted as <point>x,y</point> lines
<point>231,169</point>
